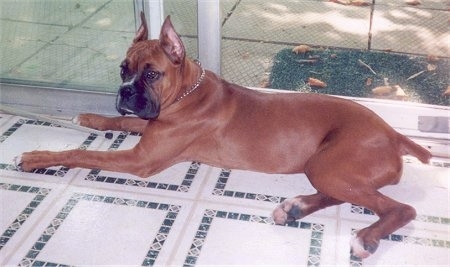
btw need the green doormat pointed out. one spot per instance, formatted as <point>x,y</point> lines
<point>348,73</point>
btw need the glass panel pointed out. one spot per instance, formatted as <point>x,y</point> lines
<point>66,44</point>
<point>80,43</point>
<point>387,50</point>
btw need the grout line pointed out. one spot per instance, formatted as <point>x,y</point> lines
<point>195,202</point>
<point>337,232</point>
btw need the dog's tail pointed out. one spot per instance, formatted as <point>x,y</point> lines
<point>407,146</point>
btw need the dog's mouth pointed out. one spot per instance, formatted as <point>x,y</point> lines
<point>141,105</point>
<point>124,111</point>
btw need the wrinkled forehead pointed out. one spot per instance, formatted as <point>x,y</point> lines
<point>143,53</point>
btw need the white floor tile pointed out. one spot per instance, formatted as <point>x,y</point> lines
<point>22,204</point>
<point>406,247</point>
<point>419,186</point>
<point>252,188</point>
<point>24,135</point>
<point>93,227</point>
<point>108,237</point>
<point>232,235</point>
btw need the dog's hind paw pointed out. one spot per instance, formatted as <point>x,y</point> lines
<point>288,211</point>
<point>361,250</point>
<point>279,216</point>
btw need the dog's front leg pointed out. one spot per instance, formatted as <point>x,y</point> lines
<point>120,161</point>
<point>102,123</point>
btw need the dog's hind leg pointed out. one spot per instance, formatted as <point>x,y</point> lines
<point>346,175</point>
<point>300,206</point>
<point>393,215</point>
<point>102,123</point>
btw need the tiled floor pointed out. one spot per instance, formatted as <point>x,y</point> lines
<point>195,215</point>
<point>192,214</point>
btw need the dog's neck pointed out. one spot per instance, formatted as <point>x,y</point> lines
<point>195,85</point>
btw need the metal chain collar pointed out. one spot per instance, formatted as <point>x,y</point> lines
<point>196,85</point>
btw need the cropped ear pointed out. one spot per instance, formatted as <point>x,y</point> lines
<point>142,32</point>
<point>171,42</point>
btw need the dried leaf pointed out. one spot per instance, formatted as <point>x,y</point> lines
<point>316,83</point>
<point>301,49</point>
<point>383,90</point>
<point>446,92</point>
<point>431,67</point>
<point>369,81</point>
<point>390,92</point>
<point>399,93</point>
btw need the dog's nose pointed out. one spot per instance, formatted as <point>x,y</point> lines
<point>126,91</point>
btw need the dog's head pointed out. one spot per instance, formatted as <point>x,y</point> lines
<point>150,72</point>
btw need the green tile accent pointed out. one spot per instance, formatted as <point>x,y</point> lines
<point>219,190</point>
<point>421,241</point>
<point>40,194</point>
<point>208,218</point>
<point>420,217</point>
<point>94,175</point>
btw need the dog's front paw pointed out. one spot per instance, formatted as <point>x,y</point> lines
<point>92,121</point>
<point>288,211</point>
<point>21,163</point>
<point>29,161</point>
<point>18,162</point>
<point>83,120</point>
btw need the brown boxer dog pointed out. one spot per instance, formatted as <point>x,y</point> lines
<point>188,114</point>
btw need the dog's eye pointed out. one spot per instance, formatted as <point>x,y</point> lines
<point>122,72</point>
<point>152,75</point>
